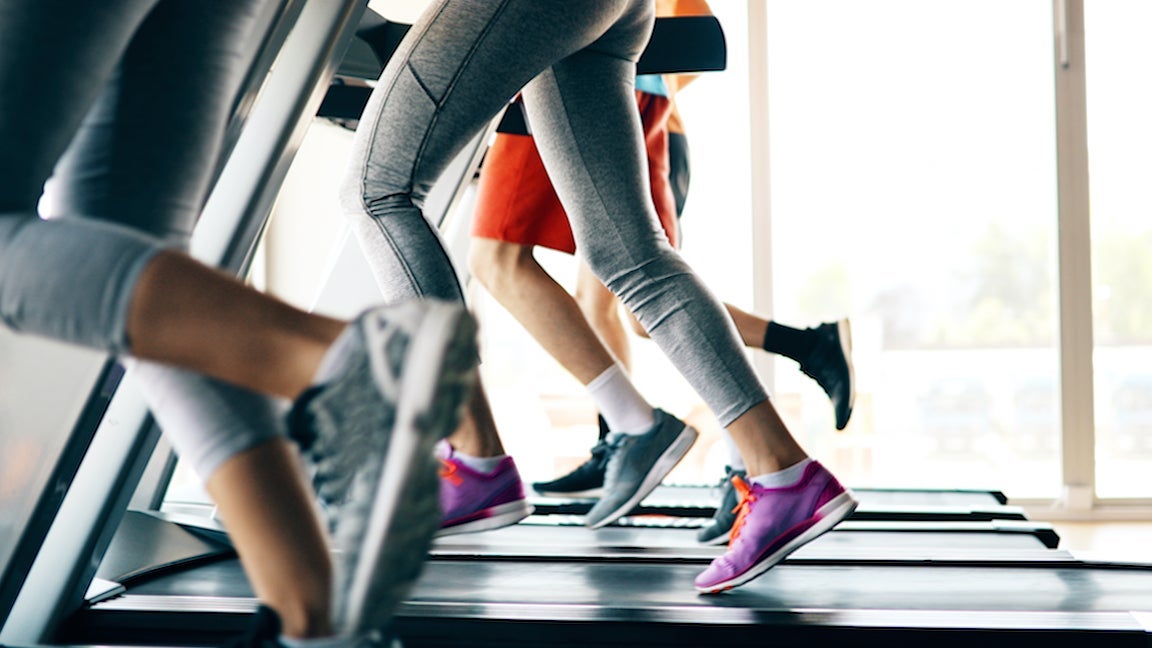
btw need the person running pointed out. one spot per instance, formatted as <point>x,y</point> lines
<point>125,103</point>
<point>517,209</point>
<point>574,63</point>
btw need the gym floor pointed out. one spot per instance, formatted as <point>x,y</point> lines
<point>1107,540</point>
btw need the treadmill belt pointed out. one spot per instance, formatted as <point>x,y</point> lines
<point>589,590</point>
<point>873,497</point>
<point>845,587</point>
<point>875,504</point>
<point>577,542</point>
<point>635,604</point>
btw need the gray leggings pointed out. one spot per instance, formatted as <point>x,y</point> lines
<point>574,60</point>
<point>125,102</point>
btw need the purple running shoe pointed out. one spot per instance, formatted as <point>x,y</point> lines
<point>474,501</point>
<point>771,523</point>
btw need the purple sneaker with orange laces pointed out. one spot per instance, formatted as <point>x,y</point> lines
<point>771,523</point>
<point>474,501</point>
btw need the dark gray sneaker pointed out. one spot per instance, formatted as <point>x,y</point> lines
<point>637,465</point>
<point>586,481</point>
<point>400,375</point>
<point>830,365</point>
<point>720,528</point>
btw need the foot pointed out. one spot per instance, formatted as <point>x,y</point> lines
<point>830,365</point>
<point>264,632</point>
<point>475,501</point>
<point>587,480</point>
<point>771,523</point>
<point>719,529</point>
<point>401,376</point>
<point>637,464</point>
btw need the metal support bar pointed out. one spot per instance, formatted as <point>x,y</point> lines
<point>1075,257</point>
<point>760,168</point>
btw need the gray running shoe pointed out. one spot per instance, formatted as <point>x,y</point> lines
<point>720,528</point>
<point>400,376</point>
<point>638,464</point>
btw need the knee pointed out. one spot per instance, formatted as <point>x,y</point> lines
<point>495,264</point>
<point>633,273</point>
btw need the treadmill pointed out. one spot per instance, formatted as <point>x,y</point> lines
<point>548,581</point>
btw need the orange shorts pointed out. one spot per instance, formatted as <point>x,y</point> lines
<point>515,201</point>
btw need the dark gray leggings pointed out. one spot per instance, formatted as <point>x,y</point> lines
<point>574,59</point>
<point>126,102</point>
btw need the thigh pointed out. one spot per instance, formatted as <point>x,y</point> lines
<point>55,57</point>
<point>462,62</point>
<point>148,149</point>
<point>588,131</point>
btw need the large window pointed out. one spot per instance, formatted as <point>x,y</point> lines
<point>913,188</point>
<point>1120,158</point>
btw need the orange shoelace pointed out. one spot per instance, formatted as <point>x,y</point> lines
<point>448,471</point>
<point>742,509</point>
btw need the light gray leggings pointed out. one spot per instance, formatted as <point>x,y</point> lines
<point>574,59</point>
<point>127,101</point>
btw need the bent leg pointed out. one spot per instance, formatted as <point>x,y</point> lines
<point>588,133</point>
<point>602,310</point>
<point>142,159</point>
<point>460,65</point>
<point>263,499</point>
<point>542,306</point>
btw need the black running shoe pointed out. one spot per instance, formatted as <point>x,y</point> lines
<point>720,528</point>
<point>830,365</point>
<point>586,481</point>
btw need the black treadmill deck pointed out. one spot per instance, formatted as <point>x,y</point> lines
<point>567,586</point>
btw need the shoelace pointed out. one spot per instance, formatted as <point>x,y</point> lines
<point>612,443</point>
<point>743,508</point>
<point>448,471</point>
<point>601,452</point>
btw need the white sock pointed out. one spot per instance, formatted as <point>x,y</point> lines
<point>479,464</point>
<point>317,642</point>
<point>735,460</point>
<point>620,403</point>
<point>786,477</point>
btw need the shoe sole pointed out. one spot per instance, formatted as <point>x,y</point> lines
<point>834,512</point>
<point>664,465</point>
<point>439,370</point>
<point>718,540</point>
<point>498,518</point>
<point>844,333</point>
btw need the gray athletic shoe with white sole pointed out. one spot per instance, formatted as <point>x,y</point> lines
<point>400,375</point>
<point>719,529</point>
<point>638,464</point>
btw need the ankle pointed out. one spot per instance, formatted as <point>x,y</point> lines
<point>302,622</point>
<point>483,465</point>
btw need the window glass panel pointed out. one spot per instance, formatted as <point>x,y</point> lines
<point>1120,167</point>
<point>913,187</point>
